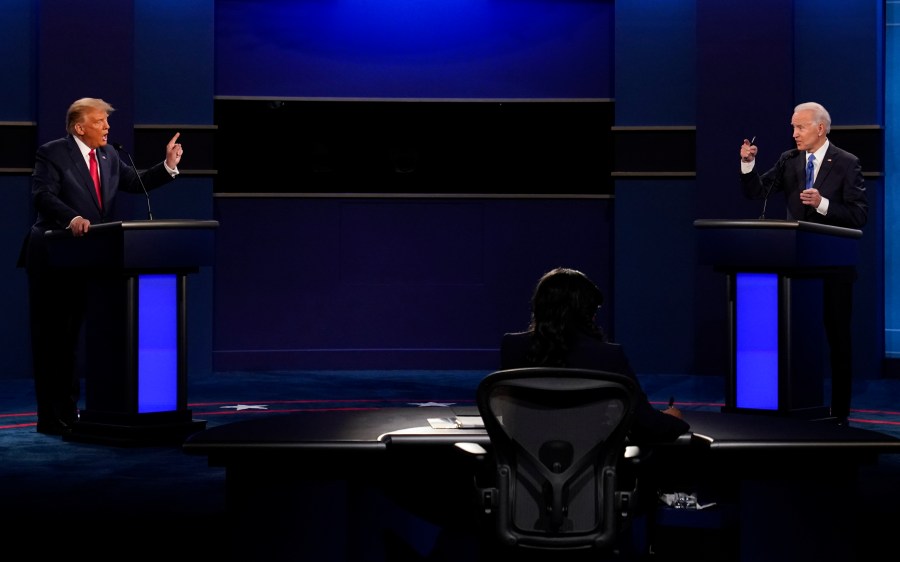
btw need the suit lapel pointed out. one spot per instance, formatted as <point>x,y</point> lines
<point>83,172</point>
<point>825,167</point>
<point>800,169</point>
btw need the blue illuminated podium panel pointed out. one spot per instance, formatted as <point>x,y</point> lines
<point>135,345</point>
<point>774,270</point>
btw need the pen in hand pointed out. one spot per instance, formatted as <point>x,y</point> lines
<point>672,398</point>
<point>748,154</point>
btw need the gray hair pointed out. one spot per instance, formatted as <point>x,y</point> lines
<point>820,114</point>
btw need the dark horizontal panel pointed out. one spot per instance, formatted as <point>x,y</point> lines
<point>19,142</point>
<point>637,151</point>
<point>365,146</point>
<point>198,141</point>
<point>636,154</point>
<point>654,175</point>
<point>866,142</point>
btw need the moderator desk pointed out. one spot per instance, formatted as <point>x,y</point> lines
<point>333,480</point>
<point>323,441</point>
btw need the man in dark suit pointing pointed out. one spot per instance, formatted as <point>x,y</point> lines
<point>822,184</point>
<point>75,183</point>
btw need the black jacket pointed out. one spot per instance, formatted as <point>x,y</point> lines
<point>650,424</point>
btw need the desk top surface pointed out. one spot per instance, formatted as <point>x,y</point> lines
<point>379,429</point>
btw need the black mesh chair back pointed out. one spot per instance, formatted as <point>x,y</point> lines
<point>557,437</point>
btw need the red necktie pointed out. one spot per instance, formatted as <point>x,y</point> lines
<point>95,175</point>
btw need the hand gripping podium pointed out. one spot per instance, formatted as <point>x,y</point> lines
<point>771,329</point>
<point>135,340</point>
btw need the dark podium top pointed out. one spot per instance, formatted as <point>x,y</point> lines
<point>148,245</point>
<point>780,244</point>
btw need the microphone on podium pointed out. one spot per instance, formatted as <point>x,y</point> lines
<point>121,148</point>
<point>779,166</point>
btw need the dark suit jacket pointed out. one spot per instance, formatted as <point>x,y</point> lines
<point>840,180</point>
<point>62,189</point>
<point>650,424</point>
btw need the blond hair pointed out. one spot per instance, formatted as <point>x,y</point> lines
<point>79,109</point>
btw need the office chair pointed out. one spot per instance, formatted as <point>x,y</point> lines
<point>558,438</point>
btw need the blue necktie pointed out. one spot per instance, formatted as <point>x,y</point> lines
<point>810,171</point>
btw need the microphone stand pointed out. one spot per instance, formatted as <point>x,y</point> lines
<point>765,201</point>
<point>121,148</point>
<point>777,179</point>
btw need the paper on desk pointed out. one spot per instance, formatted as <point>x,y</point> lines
<point>466,422</point>
<point>459,422</point>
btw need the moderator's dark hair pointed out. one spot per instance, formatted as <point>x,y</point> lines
<point>564,304</point>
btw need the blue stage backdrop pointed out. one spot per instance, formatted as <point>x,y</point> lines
<point>415,49</point>
<point>448,114</point>
<point>392,283</point>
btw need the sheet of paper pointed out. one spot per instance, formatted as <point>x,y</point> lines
<point>465,422</point>
<point>459,422</point>
<point>443,423</point>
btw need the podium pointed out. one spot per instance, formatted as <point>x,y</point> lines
<point>135,338</point>
<point>770,326</point>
